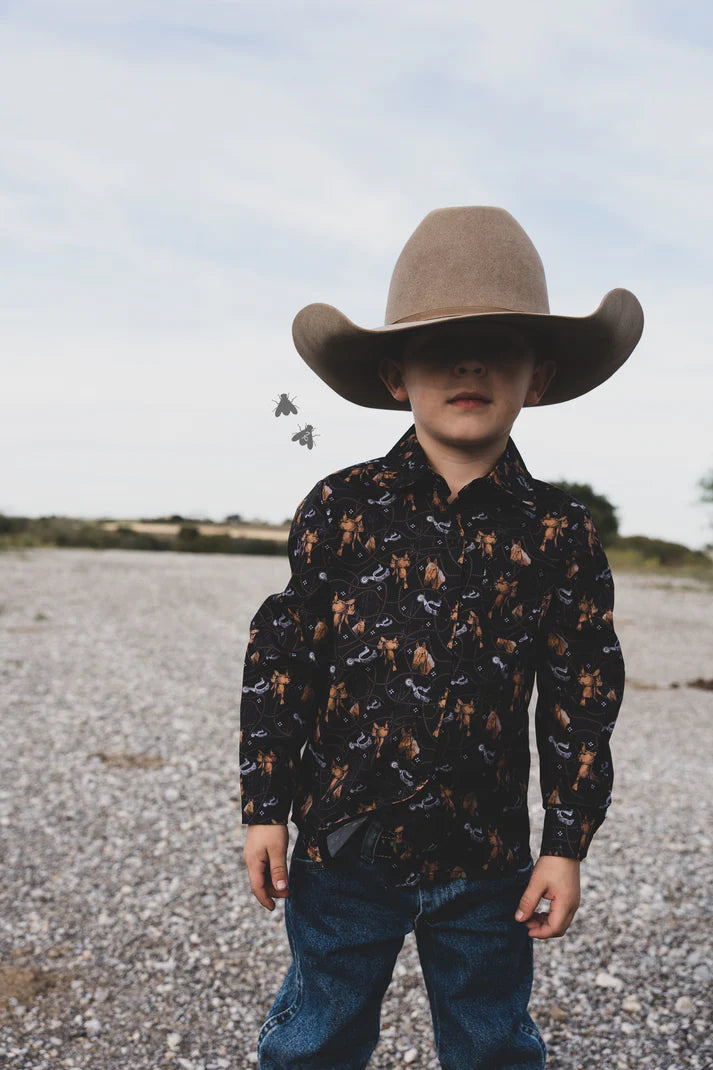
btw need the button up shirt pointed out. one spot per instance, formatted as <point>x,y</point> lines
<point>393,675</point>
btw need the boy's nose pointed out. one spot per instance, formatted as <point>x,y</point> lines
<point>469,364</point>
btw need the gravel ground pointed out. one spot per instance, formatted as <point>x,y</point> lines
<point>129,937</point>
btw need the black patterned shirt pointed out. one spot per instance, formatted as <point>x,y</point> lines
<point>392,676</point>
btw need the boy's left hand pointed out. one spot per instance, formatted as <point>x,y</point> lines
<point>556,879</point>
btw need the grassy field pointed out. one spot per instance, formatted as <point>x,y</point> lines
<point>189,536</point>
<point>627,559</point>
<point>635,553</point>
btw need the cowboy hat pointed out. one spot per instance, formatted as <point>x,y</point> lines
<point>471,264</point>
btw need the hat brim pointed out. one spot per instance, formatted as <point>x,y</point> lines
<point>587,349</point>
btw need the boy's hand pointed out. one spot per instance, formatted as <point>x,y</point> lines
<point>556,879</point>
<point>265,855</point>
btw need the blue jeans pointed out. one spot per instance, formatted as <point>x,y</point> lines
<point>346,927</point>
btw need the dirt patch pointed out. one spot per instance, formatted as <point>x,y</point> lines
<point>124,760</point>
<point>642,685</point>
<point>699,683</point>
<point>26,984</point>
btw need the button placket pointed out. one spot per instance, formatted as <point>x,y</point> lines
<point>457,542</point>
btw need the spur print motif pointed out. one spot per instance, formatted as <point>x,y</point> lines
<point>394,673</point>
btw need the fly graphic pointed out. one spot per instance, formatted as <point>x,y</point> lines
<point>285,406</point>
<point>305,436</point>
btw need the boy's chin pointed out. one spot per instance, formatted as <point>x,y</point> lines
<point>461,432</point>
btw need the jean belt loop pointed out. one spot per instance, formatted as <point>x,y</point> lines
<point>371,840</point>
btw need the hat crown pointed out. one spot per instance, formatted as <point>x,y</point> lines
<point>466,259</point>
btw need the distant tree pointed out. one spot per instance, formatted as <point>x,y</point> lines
<point>706,488</point>
<point>188,533</point>
<point>603,512</point>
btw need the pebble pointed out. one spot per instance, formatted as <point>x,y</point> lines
<point>126,882</point>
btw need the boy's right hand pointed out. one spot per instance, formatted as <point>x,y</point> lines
<point>265,855</point>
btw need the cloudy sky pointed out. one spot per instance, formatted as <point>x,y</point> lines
<point>178,179</point>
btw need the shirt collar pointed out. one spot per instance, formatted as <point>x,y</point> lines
<point>406,462</point>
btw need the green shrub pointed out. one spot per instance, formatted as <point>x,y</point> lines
<point>603,512</point>
<point>660,551</point>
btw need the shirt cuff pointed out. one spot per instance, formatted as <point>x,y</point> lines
<point>254,813</point>
<point>568,833</point>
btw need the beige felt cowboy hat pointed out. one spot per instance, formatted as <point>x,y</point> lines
<point>473,264</point>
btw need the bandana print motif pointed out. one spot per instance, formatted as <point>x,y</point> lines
<point>394,673</point>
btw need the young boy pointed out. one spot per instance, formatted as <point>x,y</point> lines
<point>386,689</point>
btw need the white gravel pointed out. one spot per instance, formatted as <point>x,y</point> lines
<point>129,937</point>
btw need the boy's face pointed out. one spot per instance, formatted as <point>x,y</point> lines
<point>498,362</point>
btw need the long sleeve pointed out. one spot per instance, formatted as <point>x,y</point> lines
<point>580,685</point>
<point>284,669</point>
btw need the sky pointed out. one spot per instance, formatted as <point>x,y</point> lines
<point>178,179</point>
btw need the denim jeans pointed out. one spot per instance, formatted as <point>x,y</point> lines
<point>346,927</point>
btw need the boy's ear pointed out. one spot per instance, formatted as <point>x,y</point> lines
<point>542,375</point>
<point>390,372</point>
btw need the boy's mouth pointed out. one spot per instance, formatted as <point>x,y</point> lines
<point>469,399</point>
